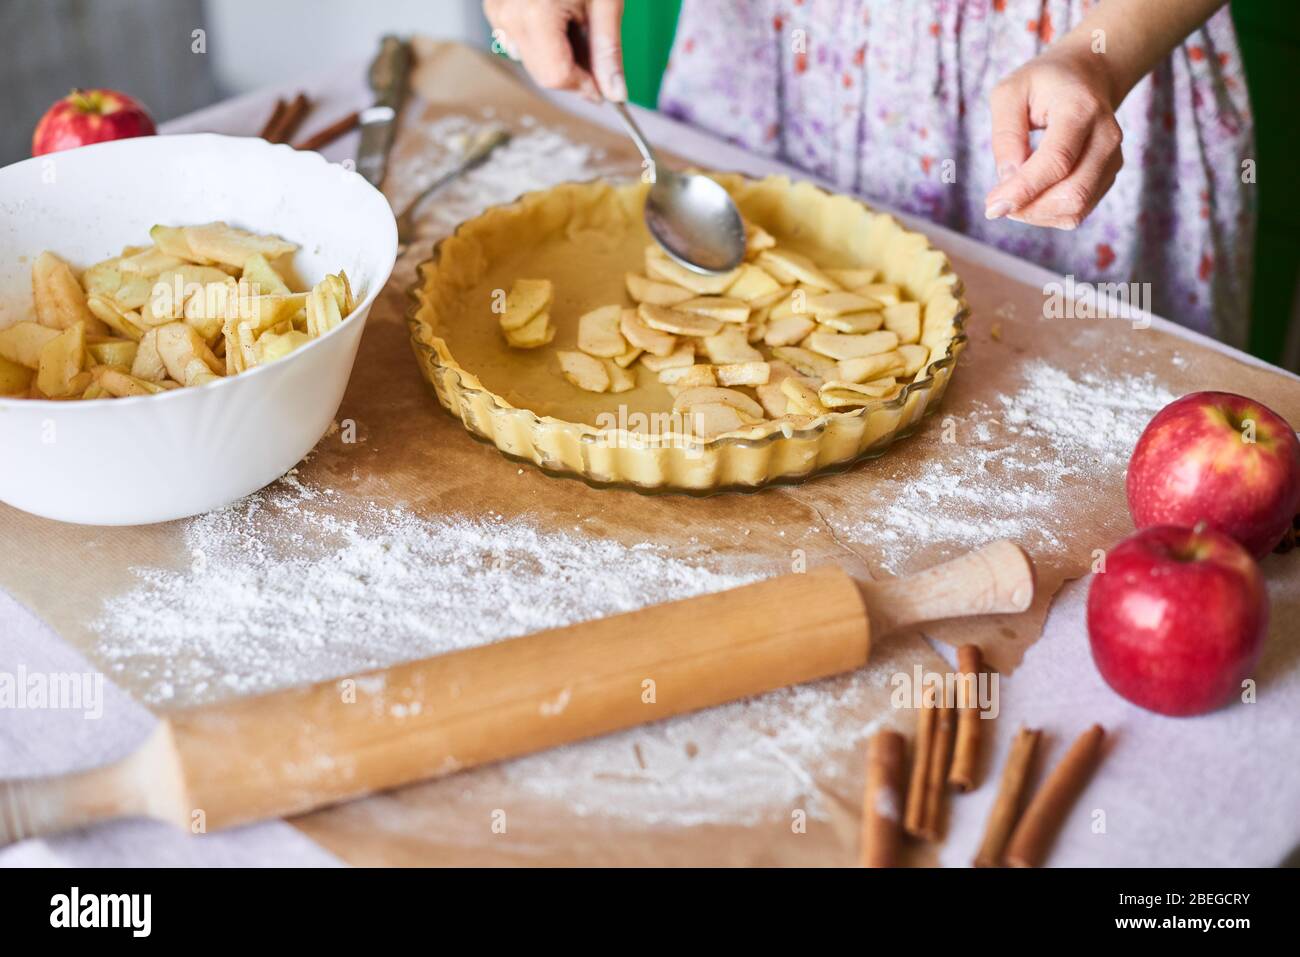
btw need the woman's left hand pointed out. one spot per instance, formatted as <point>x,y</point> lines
<point>1067,94</point>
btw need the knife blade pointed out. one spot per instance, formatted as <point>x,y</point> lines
<point>388,74</point>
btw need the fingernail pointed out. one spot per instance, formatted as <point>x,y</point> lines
<point>997,210</point>
<point>616,86</point>
<point>1006,171</point>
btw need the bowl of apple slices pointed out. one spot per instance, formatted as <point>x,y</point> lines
<point>179,317</point>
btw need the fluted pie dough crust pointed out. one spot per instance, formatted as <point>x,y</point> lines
<point>585,237</point>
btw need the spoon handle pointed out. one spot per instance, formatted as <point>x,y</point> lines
<point>635,132</point>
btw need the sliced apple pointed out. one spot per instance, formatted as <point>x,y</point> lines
<point>586,372</point>
<point>683,355</point>
<point>112,352</point>
<point>729,346</point>
<point>904,319</point>
<point>828,304</point>
<point>15,378</point>
<point>743,373</point>
<point>756,239</point>
<point>221,243</point>
<point>678,323</point>
<point>802,398</point>
<point>885,293</point>
<point>791,267</point>
<point>23,341</point>
<point>186,356</point>
<point>148,364</point>
<point>753,283</point>
<point>868,368</point>
<point>61,362</point>
<point>787,331</point>
<point>640,335</point>
<point>533,334</point>
<point>839,394</point>
<point>914,358</point>
<point>620,378</point>
<point>127,324</point>
<point>261,279</point>
<point>805,362</point>
<point>708,394</point>
<point>527,298</point>
<point>689,377</point>
<point>272,346</point>
<point>853,279</point>
<point>665,270</point>
<point>642,289</point>
<point>721,308</point>
<point>854,323</point>
<point>149,261</point>
<point>839,346</point>
<point>708,420</point>
<point>121,384</point>
<point>598,333</point>
<point>59,299</point>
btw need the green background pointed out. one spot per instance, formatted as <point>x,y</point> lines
<point>1269,33</point>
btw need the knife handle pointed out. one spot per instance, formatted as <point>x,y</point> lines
<point>389,69</point>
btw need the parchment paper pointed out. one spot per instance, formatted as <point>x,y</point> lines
<point>413,454</point>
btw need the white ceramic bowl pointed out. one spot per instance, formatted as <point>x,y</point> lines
<point>154,458</point>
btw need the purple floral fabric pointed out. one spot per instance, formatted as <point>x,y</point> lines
<point>889,99</point>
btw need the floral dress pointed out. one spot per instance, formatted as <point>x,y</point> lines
<point>889,99</point>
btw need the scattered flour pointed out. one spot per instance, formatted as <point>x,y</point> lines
<point>281,590</point>
<point>536,157</point>
<point>1002,470</point>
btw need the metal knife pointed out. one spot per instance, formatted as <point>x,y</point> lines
<point>388,75</point>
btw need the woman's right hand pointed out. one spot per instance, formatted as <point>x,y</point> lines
<point>537,32</point>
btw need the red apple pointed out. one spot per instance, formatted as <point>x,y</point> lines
<point>1177,618</point>
<point>90,116</point>
<point>1222,459</point>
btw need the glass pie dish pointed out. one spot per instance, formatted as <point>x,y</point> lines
<point>585,238</point>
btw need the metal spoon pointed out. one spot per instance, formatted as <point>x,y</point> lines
<point>478,151</point>
<point>692,217</point>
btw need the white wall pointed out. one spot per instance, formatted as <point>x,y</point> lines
<point>253,43</point>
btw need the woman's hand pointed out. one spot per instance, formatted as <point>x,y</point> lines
<point>1069,95</point>
<point>537,32</point>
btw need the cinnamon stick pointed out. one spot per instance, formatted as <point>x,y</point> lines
<point>1033,836</point>
<point>1006,806</point>
<point>277,115</point>
<point>966,752</point>
<point>289,120</point>
<point>937,775</point>
<point>332,132</point>
<point>914,815</point>
<point>882,800</point>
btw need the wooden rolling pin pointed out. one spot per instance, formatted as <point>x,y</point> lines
<point>287,752</point>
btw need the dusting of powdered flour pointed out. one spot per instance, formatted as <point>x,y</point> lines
<point>282,589</point>
<point>287,587</point>
<point>536,157</point>
<point>999,469</point>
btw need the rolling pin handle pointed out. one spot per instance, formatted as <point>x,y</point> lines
<point>993,580</point>
<point>146,783</point>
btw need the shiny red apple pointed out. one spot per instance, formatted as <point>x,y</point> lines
<point>1222,459</point>
<point>90,116</point>
<point>1177,618</point>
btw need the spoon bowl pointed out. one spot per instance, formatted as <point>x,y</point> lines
<point>691,216</point>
